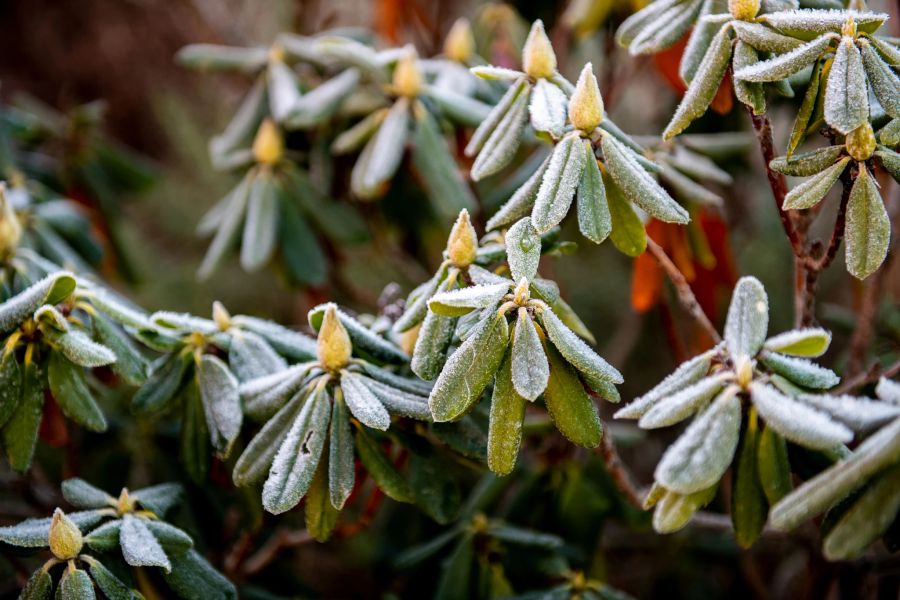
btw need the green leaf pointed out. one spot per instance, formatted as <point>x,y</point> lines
<point>704,85</point>
<point>319,104</point>
<point>341,470</point>
<point>303,257</point>
<point>674,510</point>
<point>213,57</point>
<point>523,537</point>
<point>381,157</point>
<point>784,65</point>
<point>883,80</point>
<point>457,106</point>
<point>867,520</point>
<point>172,539</point>
<point>130,364</point>
<point>51,290</point>
<point>400,402</point>
<point>660,33</point>
<point>548,108</point>
<point>461,301</point>
<point>809,163</point>
<point>229,227</point>
<point>295,463</point>
<point>261,225</point>
<point>800,371</point>
<point>287,342</point>
<point>158,499</point>
<point>530,370</point>
<point>34,533</point>
<point>811,342</point>
<point>748,318</point>
<point>523,250</point>
<point>284,92</point>
<point>363,404</point>
<point>112,587</point>
<point>750,93</point>
<point>10,386</point>
<point>846,93</point>
<point>415,555</point>
<point>890,160</point>
<point>440,175</point>
<point>38,587</point>
<point>21,430</point>
<point>456,576</point>
<point>221,403</point>
<point>808,24</point>
<point>434,485</point>
<point>257,457</point>
<point>81,494</point>
<point>686,374</point>
<point>638,186</point>
<point>749,507</point>
<point>763,38</point>
<point>251,356</point>
<point>521,203</point>
<point>71,392</point>
<point>163,384</point>
<point>194,436</point>
<point>572,410</point>
<point>813,190</point>
<point>106,537</point>
<point>558,184</point>
<point>432,343</point>
<point>351,139</point>
<point>797,422</point>
<point>701,455</point>
<point>576,352</point>
<point>140,547</point>
<point>628,234</point>
<point>381,469</point>
<point>320,516</point>
<point>772,465</point>
<point>507,415</point>
<point>594,220</point>
<point>75,585</point>
<point>701,37</point>
<point>193,577</point>
<point>680,405</point>
<point>469,369</point>
<point>867,232</point>
<point>499,135</point>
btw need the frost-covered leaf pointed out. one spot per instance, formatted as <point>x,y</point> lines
<point>192,576</point>
<point>140,547</point>
<point>576,352</point>
<point>674,510</point>
<point>883,80</point>
<point>796,421</point>
<point>455,303</point>
<point>381,157</point>
<point>493,73</point>
<point>81,494</point>
<point>21,430</point>
<point>638,186</point>
<point>265,395</point>
<point>130,363</point>
<point>829,486</point>
<point>684,403</point>
<point>158,499</point>
<point>498,137</point>
<point>628,234</point>
<point>363,338</point>
<point>807,107</point>
<point>288,343</point>
<point>702,35</point>
<point>75,584</point>
<point>400,402</point>
<point>663,30</point>
<point>283,90</point>
<point>687,374</point>
<point>112,587</point>
<point>523,250</point>
<point>78,348</point>
<point>704,85</point>
<point>521,203</point>
<point>633,25</point>
<point>763,38</point>
<point>257,457</point>
<point>341,473</point>
<point>295,462</point>
<point>381,469</point>
<point>573,411</point>
<point>221,403</point>
<point>748,318</point>
<point>261,225</point>
<point>320,103</point>
<point>773,465</point>
<point>594,220</point>
<point>750,93</point>
<point>363,404</point>
<point>812,342</point>
<point>75,399</point>
<point>846,93</point>
<point>888,390</point>
<point>785,65</point>
<point>809,163</point>
<point>813,190</point>
<point>469,369</point>
<point>49,290</point>
<point>505,424</point>
<point>800,371</point>
<point>558,184</point>
<point>548,108</point>
<point>251,356</point>
<point>867,520</point>
<point>806,24</point>
<point>701,455</point>
<point>867,232</point>
<point>34,533</point>
<point>890,160</point>
<point>432,343</point>
<point>530,370</point>
<point>860,414</point>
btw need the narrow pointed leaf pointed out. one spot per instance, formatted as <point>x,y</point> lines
<point>576,352</point>
<point>548,108</point>
<point>867,520</point>
<point>382,155</point>
<point>50,290</point>
<point>458,302</point>
<point>341,474</point>
<point>748,318</point>
<point>846,93</point>
<point>257,457</point>
<point>572,410</point>
<point>71,392</point>
<point>381,469</point>
<point>867,233</point>
<point>558,184</point>
<point>797,422</point>
<point>594,220</point>
<point>21,430</point>
<point>505,425</point>
<point>363,404</point>
<point>221,403</point>
<point>523,250</point>
<point>139,546</point>
<point>628,234</point>
<point>530,370</point>
<point>884,81</point>
<point>682,404</point>
<point>800,371</point>
<point>785,65</point>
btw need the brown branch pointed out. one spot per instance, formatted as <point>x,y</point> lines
<point>869,376</point>
<point>685,294</point>
<point>281,539</point>
<point>618,472</point>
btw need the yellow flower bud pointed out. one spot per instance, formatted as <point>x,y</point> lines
<point>860,142</point>
<point>462,245</point>
<point>538,58</point>
<point>849,27</point>
<point>65,537</point>
<point>743,10</point>
<point>334,347</point>
<point>125,503</point>
<point>268,147</point>
<point>586,104</point>
<point>221,316</point>
<point>407,77</point>
<point>459,46</point>
<point>10,228</point>
<point>521,295</point>
<point>744,371</point>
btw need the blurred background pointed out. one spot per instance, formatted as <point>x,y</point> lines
<point>66,53</point>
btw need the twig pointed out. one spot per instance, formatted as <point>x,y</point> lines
<point>870,375</point>
<point>282,538</point>
<point>685,294</point>
<point>618,472</point>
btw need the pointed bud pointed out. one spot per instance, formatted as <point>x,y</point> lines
<point>744,10</point>
<point>521,294</point>
<point>744,370</point>
<point>65,537</point>
<point>125,503</point>
<point>462,245</point>
<point>586,104</point>
<point>459,46</point>
<point>407,77</point>
<point>334,347</point>
<point>221,316</point>
<point>10,228</point>
<point>849,27</point>
<point>276,53</point>
<point>538,58</point>
<point>268,147</point>
<point>860,142</point>
<point>408,339</point>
